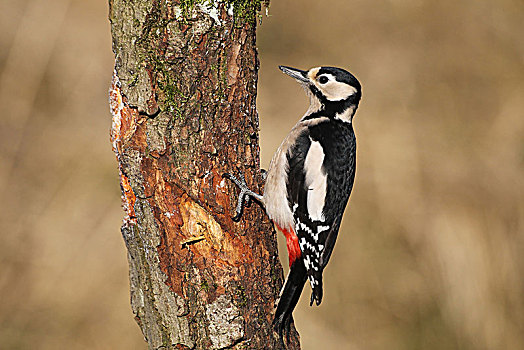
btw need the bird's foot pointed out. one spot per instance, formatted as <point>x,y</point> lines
<point>245,194</point>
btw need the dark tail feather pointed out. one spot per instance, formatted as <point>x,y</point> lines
<point>316,292</point>
<point>289,298</point>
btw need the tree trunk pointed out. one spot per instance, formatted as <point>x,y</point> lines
<point>183,106</point>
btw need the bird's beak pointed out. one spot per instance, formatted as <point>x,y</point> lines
<point>299,75</point>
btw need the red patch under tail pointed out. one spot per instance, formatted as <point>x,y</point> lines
<point>293,249</point>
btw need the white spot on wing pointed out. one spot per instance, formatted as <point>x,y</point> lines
<point>306,262</point>
<point>322,228</point>
<point>316,181</point>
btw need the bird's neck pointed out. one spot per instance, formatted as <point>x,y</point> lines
<point>315,105</point>
<point>342,110</point>
<point>346,115</point>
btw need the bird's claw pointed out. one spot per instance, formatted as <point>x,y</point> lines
<point>244,197</point>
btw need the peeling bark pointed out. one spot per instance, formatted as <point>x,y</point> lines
<point>183,106</point>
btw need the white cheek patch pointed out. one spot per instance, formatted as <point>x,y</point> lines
<point>316,181</point>
<point>337,91</point>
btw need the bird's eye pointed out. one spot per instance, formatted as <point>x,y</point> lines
<point>323,79</point>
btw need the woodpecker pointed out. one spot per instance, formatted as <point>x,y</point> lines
<point>309,181</point>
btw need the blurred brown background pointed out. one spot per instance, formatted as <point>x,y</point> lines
<point>431,254</point>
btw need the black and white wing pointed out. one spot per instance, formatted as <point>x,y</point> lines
<point>320,178</point>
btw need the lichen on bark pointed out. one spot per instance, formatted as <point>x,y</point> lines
<point>183,104</point>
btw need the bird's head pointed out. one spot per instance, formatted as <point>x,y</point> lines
<point>331,89</point>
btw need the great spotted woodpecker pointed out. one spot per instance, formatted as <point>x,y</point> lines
<point>309,181</point>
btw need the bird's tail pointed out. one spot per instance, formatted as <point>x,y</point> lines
<point>289,297</point>
<point>316,288</point>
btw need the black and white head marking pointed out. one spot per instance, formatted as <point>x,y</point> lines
<point>333,92</point>
<point>334,84</point>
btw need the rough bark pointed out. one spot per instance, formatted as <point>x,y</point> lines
<point>183,105</point>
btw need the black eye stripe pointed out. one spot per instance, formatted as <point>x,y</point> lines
<point>323,79</point>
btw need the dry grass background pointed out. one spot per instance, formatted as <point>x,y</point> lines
<point>431,253</point>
